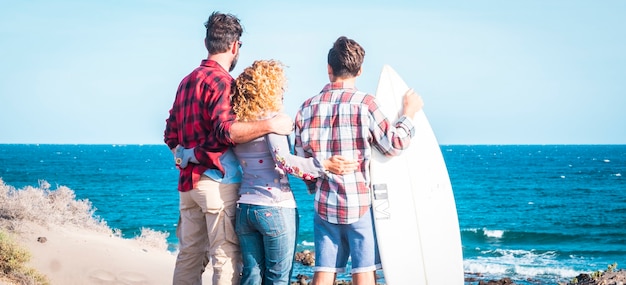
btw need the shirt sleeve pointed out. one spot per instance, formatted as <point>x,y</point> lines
<point>390,139</point>
<point>220,111</point>
<point>305,168</point>
<point>297,149</point>
<point>170,135</point>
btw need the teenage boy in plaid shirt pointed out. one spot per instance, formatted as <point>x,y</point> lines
<point>343,120</point>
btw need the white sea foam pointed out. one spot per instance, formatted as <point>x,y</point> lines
<point>493,233</point>
<point>521,263</point>
<point>530,256</point>
<point>479,266</point>
<point>532,271</point>
<point>307,243</point>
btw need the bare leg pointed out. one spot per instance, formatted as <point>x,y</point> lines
<point>364,278</point>
<point>323,278</point>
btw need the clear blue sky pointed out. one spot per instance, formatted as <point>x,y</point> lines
<point>490,72</point>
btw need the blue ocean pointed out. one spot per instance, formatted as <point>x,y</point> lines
<point>538,214</point>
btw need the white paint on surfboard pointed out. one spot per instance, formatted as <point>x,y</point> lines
<point>414,209</point>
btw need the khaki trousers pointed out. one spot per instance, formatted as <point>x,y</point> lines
<point>206,234</point>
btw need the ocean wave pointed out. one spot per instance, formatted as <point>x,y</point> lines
<point>485,235</point>
<point>524,264</point>
<point>553,275</point>
<point>520,255</point>
<point>307,243</point>
<point>493,233</point>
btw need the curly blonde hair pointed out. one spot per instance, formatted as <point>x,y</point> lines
<point>258,90</point>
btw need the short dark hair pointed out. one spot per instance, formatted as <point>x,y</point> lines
<point>346,57</point>
<point>221,31</point>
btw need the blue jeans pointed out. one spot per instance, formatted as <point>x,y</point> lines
<point>267,236</point>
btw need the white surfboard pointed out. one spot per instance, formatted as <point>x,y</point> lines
<point>414,210</point>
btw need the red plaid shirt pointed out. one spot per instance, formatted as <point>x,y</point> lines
<point>342,120</point>
<point>201,117</point>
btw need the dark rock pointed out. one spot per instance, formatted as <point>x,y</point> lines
<point>302,279</point>
<point>602,278</point>
<point>306,257</point>
<point>503,281</point>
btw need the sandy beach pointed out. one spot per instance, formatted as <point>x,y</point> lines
<point>69,255</point>
<point>69,246</point>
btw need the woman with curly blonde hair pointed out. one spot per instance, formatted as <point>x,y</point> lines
<point>259,91</point>
<point>267,219</point>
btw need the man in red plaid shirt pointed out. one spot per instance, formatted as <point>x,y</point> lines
<point>342,120</point>
<point>201,120</point>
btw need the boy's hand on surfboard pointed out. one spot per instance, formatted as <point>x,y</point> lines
<point>340,165</point>
<point>412,103</point>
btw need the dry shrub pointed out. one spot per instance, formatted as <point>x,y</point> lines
<point>12,263</point>
<point>153,238</point>
<point>47,207</point>
<point>59,207</point>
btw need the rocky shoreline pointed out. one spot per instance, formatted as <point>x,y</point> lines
<point>610,276</point>
<point>606,278</point>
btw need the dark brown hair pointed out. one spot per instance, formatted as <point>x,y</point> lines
<point>221,31</point>
<point>346,57</point>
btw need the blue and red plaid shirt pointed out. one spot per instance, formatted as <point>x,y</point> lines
<point>342,120</point>
<point>201,117</point>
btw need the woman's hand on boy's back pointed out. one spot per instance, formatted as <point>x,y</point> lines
<point>340,165</point>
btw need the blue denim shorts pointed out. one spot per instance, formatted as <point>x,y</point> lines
<point>335,244</point>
